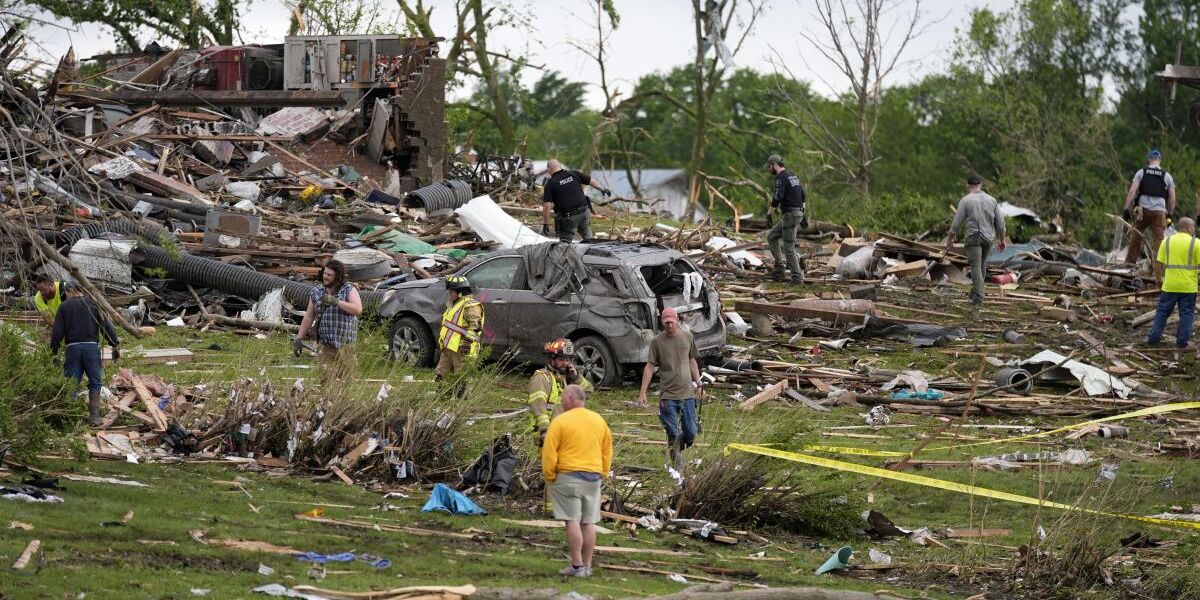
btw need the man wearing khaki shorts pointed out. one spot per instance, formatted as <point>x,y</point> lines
<point>576,455</point>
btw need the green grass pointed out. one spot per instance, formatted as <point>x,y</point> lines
<point>80,555</point>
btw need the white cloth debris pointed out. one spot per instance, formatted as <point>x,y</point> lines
<point>693,286</point>
<point>879,557</point>
<point>879,416</point>
<point>741,257</point>
<point>921,536</point>
<point>275,589</point>
<point>1096,382</point>
<point>246,190</point>
<point>483,216</point>
<point>915,380</point>
<point>737,325</point>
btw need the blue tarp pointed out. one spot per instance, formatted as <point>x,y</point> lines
<point>448,500</point>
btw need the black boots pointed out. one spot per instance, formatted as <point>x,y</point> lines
<point>94,407</point>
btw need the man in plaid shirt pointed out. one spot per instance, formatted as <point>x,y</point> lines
<point>334,308</point>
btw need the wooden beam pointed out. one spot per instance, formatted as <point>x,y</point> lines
<point>27,555</point>
<point>160,420</point>
<point>836,317</point>
<point>772,392</point>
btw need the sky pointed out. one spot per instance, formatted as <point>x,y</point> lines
<point>654,35</point>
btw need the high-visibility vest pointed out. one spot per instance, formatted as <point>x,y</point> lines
<point>553,399</point>
<point>454,327</point>
<point>50,307</point>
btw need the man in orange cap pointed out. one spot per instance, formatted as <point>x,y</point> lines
<point>673,352</point>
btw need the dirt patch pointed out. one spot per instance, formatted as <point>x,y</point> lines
<point>160,560</point>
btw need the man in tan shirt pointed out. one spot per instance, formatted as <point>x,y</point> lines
<point>674,353</point>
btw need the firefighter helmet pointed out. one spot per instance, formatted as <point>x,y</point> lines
<point>560,348</point>
<point>458,283</point>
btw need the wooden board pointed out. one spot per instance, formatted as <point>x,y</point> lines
<point>770,393</point>
<point>915,268</point>
<point>27,555</point>
<point>148,399</point>
<point>153,356</point>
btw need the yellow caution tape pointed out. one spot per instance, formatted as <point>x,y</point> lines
<point>940,484</point>
<point>1153,410</point>
<point>852,450</point>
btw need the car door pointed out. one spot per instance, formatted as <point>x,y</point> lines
<point>492,281</point>
<point>537,320</point>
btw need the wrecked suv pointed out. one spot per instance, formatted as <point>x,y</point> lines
<point>606,297</point>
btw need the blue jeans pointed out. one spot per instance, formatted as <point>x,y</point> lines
<point>1167,301</point>
<point>669,415</point>
<point>84,358</point>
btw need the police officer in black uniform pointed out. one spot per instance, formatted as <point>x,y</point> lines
<point>1153,189</point>
<point>564,195</point>
<point>789,199</point>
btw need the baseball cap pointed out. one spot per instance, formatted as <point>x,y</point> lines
<point>1154,154</point>
<point>669,314</point>
<point>974,180</point>
<point>774,159</point>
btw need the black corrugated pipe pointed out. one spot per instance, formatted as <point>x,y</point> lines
<point>232,279</point>
<point>147,230</point>
<point>440,196</point>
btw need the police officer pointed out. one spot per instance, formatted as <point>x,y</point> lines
<point>547,384</point>
<point>1154,190</point>
<point>564,195</point>
<point>462,327</point>
<point>789,199</point>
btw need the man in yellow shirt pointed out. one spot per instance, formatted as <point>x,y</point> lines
<point>1178,261</point>
<point>577,454</point>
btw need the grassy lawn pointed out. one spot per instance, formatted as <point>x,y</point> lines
<point>154,554</point>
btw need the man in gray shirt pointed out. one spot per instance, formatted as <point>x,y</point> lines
<point>980,216</point>
<point>1154,190</point>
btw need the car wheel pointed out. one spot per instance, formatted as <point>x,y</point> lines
<point>595,361</point>
<point>411,342</point>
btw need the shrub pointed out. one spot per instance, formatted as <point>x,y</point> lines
<point>35,408</point>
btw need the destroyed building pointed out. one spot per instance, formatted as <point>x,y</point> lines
<point>372,102</point>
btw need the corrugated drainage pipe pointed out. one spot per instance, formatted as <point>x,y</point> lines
<point>1020,380</point>
<point>146,230</point>
<point>445,195</point>
<point>232,279</point>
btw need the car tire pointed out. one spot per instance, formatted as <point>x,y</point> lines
<point>595,361</point>
<point>411,342</point>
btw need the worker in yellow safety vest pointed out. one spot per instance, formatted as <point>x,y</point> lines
<point>547,384</point>
<point>462,327</point>
<point>1177,266</point>
<point>48,298</point>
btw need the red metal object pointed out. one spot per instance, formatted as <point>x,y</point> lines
<point>222,69</point>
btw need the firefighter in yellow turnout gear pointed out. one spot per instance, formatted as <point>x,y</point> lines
<point>462,327</point>
<point>547,384</point>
